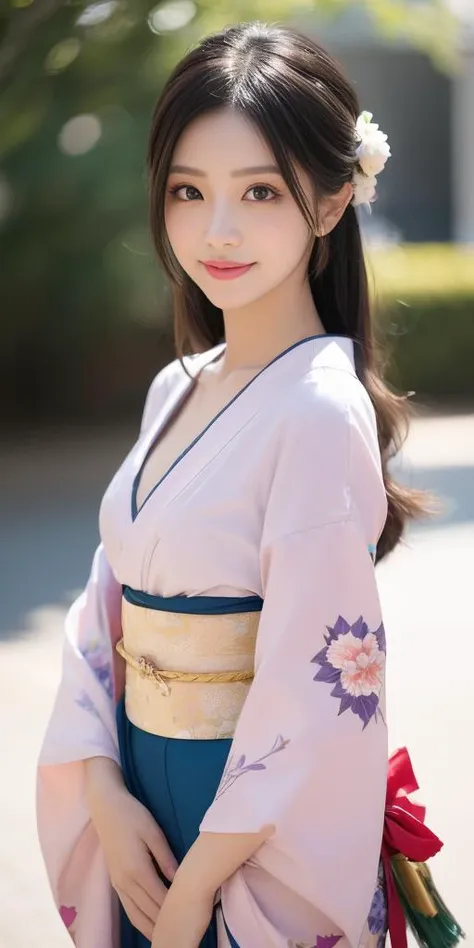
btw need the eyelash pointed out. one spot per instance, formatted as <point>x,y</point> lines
<point>276,194</point>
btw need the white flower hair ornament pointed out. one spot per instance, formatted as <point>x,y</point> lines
<point>372,152</point>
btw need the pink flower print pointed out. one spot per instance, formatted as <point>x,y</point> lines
<point>68,915</point>
<point>327,941</point>
<point>360,661</point>
<point>353,661</point>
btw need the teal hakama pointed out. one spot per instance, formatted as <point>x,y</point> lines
<point>176,779</point>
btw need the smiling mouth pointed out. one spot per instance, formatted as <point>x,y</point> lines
<point>225,269</point>
<point>225,264</point>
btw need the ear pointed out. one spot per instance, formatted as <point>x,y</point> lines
<point>332,207</point>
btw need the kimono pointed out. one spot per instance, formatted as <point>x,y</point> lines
<point>274,509</point>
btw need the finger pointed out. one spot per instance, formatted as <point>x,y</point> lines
<point>148,879</point>
<point>138,919</point>
<point>142,900</point>
<point>159,848</point>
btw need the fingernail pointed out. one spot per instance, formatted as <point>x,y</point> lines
<point>171,871</point>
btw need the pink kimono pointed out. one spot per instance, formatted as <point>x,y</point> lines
<point>280,497</point>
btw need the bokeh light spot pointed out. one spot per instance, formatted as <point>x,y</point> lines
<point>79,134</point>
<point>171,16</point>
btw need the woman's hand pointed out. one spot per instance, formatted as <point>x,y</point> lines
<point>184,917</point>
<point>188,906</point>
<point>129,837</point>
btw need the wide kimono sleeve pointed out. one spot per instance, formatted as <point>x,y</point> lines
<point>82,725</point>
<point>309,756</point>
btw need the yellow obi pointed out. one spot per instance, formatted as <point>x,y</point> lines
<point>187,675</point>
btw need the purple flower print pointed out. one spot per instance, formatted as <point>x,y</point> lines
<point>378,916</point>
<point>233,772</point>
<point>322,941</point>
<point>97,657</point>
<point>378,913</point>
<point>353,661</point>
<point>68,915</point>
<point>85,702</point>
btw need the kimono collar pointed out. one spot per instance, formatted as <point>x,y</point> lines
<point>319,351</point>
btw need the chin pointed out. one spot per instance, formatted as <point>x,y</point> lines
<point>228,297</point>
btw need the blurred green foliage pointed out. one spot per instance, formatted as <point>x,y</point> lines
<point>419,271</point>
<point>79,285</point>
<point>424,299</point>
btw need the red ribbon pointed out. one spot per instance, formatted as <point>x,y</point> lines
<point>404,832</point>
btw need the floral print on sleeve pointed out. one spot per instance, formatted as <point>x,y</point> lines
<point>86,703</point>
<point>322,941</point>
<point>353,660</point>
<point>233,771</point>
<point>97,656</point>
<point>378,916</point>
<point>68,915</point>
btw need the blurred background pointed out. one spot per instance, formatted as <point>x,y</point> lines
<point>86,324</point>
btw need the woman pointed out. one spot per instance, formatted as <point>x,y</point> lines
<point>236,569</point>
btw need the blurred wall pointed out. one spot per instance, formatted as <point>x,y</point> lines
<point>412,103</point>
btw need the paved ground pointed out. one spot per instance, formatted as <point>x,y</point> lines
<point>50,490</point>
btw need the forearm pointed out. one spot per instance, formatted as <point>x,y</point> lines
<point>102,776</point>
<point>213,857</point>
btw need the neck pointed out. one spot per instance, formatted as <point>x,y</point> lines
<point>257,334</point>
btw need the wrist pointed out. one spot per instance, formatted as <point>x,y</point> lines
<point>192,885</point>
<point>214,857</point>
<point>103,777</point>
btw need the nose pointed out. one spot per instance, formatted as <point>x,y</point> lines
<point>222,230</point>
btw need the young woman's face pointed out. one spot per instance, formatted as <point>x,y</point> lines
<point>227,202</point>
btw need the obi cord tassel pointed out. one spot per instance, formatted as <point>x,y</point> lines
<point>413,899</point>
<point>429,919</point>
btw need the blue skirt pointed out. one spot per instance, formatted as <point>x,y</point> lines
<point>176,779</point>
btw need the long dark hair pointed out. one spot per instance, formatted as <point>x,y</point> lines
<point>299,98</point>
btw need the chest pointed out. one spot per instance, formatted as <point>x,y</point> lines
<point>188,420</point>
<point>184,513</point>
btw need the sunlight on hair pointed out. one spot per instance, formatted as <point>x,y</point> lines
<point>79,134</point>
<point>171,16</point>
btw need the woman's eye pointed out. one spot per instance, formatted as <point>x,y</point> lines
<point>262,193</point>
<point>186,192</point>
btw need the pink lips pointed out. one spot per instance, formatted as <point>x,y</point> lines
<point>226,269</point>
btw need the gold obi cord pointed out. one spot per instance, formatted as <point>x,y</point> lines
<point>186,675</point>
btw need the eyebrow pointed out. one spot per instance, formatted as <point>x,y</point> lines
<point>238,173</point>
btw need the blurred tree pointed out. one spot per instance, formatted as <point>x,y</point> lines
<point>78,83</point>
